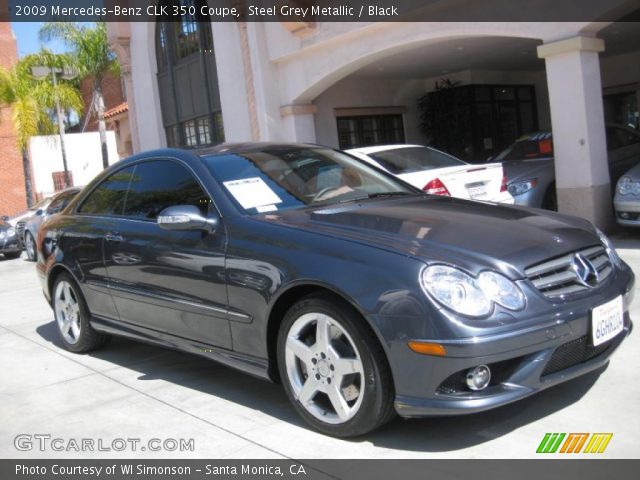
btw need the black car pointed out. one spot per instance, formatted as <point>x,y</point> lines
<point>364,296</point>
<point>10,245</point>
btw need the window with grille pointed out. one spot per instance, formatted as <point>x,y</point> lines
<point>59,182</point>
<point>187,78</point>
<point>364,131</point>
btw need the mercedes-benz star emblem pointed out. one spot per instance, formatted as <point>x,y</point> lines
<point>585,272</point>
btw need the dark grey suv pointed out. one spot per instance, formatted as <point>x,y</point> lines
<point>364,296</point>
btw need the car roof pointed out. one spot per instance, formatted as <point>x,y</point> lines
<point>384,148</point>
<point>242,147</point>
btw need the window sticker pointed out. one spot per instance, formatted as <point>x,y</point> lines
<point>252,192</point>
<point>266,208</point>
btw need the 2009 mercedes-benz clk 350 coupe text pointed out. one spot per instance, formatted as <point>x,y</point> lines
<point>361,294</point>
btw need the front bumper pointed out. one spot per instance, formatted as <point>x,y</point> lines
<point>10,245</point>
<point>523,362</point>
<point>627,211</point>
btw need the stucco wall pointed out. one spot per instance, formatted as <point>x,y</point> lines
<point>84,158</point>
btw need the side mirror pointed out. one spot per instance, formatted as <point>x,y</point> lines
<point>39,212</point>
<point>186,217</point>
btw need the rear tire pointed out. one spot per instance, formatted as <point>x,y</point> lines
<point>333,369</point>
<point>72,317</point>
<point>30,247</point>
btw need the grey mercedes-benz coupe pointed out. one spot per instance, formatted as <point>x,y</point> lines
<point>362,295</point>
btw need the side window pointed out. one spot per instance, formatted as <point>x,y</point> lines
<point>60,202</point>
<point>159,184</point>
<point>108,198</point>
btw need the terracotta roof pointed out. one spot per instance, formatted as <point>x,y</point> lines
<point>117,110</point>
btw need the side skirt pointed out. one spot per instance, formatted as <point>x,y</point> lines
<point>257,367</point>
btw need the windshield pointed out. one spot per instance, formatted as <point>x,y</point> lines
<point>279,178</point>
<point>414,159</point>
<point>539,145</point>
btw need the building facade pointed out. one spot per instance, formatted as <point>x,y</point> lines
<point>12,188</point>
<point>347,84</point>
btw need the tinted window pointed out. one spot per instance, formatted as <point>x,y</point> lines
<point>108,198</point>
<point>160,184</point>
<point>288,177</point>
<point>61,201</point>
<point>414,159</point>
<point>620,138</point>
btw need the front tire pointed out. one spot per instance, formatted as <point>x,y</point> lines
<point>72,317</point>
<point>12,255</point>
<point>333,369</point>
<point>30,247</point>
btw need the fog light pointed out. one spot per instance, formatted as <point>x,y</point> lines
<point>478,378</point>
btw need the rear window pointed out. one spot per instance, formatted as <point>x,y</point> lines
<point>414,159</point>
<point>536,146</point>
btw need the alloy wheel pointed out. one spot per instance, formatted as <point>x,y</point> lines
<point>67,312</point>
<point>324,368</point>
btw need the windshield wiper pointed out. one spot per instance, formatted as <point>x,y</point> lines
<point>376,195</point>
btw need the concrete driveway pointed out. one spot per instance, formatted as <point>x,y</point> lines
<point>134,391</point>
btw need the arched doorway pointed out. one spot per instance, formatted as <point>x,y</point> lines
<point>188,80</point>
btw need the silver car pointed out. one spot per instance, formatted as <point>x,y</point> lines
<point>627,198</point>
<point>531,177</point>
<point>57,204</point>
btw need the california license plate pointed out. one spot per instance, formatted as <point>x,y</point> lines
<point>607,321</point>
<point>477,192</point>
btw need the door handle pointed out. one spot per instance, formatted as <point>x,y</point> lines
<point>113,237</point>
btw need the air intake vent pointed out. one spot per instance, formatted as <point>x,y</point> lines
<point>571,273</point>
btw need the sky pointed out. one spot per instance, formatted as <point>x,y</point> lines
<point>28,42</point>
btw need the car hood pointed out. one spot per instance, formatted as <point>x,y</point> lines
<point>472,235</point>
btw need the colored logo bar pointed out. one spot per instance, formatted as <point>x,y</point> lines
<point>574,443</point>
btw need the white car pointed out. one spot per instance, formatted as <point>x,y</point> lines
<point>438,173</point>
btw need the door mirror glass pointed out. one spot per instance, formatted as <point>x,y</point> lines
<point>39,212</point>
<point>186,217</point>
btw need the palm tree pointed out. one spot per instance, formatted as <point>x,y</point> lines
<point>92,57</point>
<point>31,102</point>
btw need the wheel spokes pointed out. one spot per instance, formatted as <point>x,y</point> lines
<point>300,350</point>
<point>347,366</point>
<point>323,334</point>
<point>338,402</point>
<point>308,391</point>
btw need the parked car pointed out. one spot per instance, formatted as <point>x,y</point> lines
<point>438,173</point>
<point>627,198</point>
<point>363,295</point>
<point>10,245</point>
<point>20,220</point>
<point>531,176</point>
<point>54,205</point>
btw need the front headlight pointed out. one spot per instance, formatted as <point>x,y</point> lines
<point>628,186</point>
<point>467,295</point>
<point>518,188</point>
<point>11,232</point>
<point>611,251</point>
<point>2,235</point>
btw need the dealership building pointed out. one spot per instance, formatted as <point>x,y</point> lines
<point>346,84</point>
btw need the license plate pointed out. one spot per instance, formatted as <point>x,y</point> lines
<point>607,321</point>
<point>477,192</point>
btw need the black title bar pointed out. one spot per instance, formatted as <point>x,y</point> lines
<point>313,11</point>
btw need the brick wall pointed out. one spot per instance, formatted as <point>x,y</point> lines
<point>12,191</point>
<point>112,92</point>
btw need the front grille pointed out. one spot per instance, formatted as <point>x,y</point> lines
<point>556,278</point>
<point>573,353</point>
<point>20,229</point>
